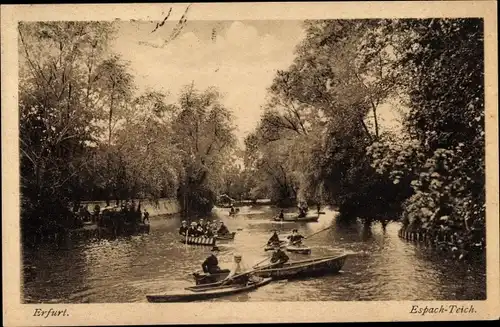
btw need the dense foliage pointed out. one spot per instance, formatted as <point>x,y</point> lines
<point>86,133</point>
<point>322,130</point>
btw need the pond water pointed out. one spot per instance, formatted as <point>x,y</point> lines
<point>380,267</point>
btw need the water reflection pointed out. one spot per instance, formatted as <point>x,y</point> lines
<point>381,266</point>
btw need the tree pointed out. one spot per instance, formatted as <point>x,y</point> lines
<point>203,133</point>
<point>56,114</point>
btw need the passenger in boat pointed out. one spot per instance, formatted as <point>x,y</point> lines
<point>193,230</point>
<point>279,257</point>
<point>274,240</point>
<point>302,212</point>
<point>200,231</point>
<point>295,238</point>
<point>209,233</point>
<point>281,215</point>
<point>184,228</point>
<point>232,209</point>
<point>211,264</point>
<point>222,229</point>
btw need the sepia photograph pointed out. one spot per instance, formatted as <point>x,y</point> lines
<point>231,161</point>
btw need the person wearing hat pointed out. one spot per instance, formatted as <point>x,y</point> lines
<point>192,230</point>
<point>184,228</point>
<point>211,264</point>
<point>295,238</point>
<point>279,257</point>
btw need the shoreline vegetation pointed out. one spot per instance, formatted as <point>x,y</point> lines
<point>86,132</point>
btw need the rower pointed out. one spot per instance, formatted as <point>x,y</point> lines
<point>302,212</point>
<point>211,264</point>
<point>239,267</point>
<point>279,257</point>
<point>295,238</point>
<point>281,215</point>
<point>184,228</point>
<point>274,239</point>
<point>232,209</point>
<point>222,229</point>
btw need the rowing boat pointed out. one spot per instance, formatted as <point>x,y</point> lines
<point>234,212</point>
<point>296,218</point>
<point>200,240</point>
<point>304,268</point>
<point>302,249</point>
<point>290,248</point>
<point>193,294</point>
<point>270,247</point>
<point>290,270</point>
<point>227,237</point>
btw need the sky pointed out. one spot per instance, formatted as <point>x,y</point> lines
<point>241,61</point>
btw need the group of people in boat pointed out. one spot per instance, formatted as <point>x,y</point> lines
<point>211,266</point>
<point>129,211</point>
<point>303,210</point>
<point>233,211</point>
<point>203,228</point>
<point>294,239</point>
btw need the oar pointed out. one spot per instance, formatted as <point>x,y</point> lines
<point>254,266</point>
<point>305,238</point>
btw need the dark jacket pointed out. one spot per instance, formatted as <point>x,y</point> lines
<point>295,238</point>
<point>274,239</point>
<point>183,230</point>
<point>279,257</point>
<point>211,264</point>
<point>223,230</point>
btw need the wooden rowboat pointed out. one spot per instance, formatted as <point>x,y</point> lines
<point>200,240</point>
<point>302,249</point>
<point>303,268</point>
<point>290,270</point>
<point>295,218</point>
<point>227,237</point>
<point>274,246</point>
<point>193,294</point>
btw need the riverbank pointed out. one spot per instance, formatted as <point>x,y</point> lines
<point>165,206</point>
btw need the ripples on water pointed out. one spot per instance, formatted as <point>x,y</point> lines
<point>382,267</point>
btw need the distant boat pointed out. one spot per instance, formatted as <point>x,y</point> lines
<point>296,218</point>
<point>191,240</point>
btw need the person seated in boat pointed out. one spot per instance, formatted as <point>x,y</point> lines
<point>200,231</point>
<point>281,216</point>
<point>274,240</point>
<point>184,228</point>
<point>302,212</point>
<point>222,230</point>
<point>193,230</point>
<point>239,268</point>
<point>232,209</point>
<point>295,238</point>
<point>211,264</point>
<point>279,257</point>
<point>209,233</point>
